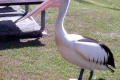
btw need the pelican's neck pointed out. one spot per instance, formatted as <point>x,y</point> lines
<point>59,28</point>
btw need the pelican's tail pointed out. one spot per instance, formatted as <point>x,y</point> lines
<point>110,69</point>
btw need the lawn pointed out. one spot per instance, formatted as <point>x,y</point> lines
<point>40,60</point>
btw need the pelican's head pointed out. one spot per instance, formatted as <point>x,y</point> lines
<point>46,4</point>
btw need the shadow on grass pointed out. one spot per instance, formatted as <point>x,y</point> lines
<point>89,3</point>
<point>85,2</point>
<point>11,34</point>
<point>101,79</point>
<point>16,43</point>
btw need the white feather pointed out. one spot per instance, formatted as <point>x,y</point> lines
<point>91,51</point>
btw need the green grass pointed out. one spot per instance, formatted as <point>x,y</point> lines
<point>40,60</point>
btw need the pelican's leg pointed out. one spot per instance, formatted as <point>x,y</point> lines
<point>91,74</point>
<point>81,74</point>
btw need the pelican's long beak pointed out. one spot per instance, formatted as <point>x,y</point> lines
<point>43,6</point>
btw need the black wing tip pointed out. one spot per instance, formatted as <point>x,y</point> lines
<point>110,58</point>
<point>110,69</point>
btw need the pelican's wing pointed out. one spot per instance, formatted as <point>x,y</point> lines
<point>94,52</point>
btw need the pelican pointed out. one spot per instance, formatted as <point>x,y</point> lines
<point>85,52</point>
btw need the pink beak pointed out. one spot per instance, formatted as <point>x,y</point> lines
<point>46,4</point>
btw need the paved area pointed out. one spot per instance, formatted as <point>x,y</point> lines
<point>9,28</point>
